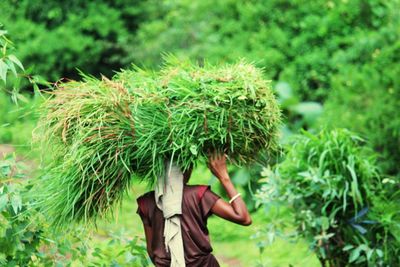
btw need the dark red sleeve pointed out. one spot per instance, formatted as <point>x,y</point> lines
<point>207,200</point>
<point>143,210</point>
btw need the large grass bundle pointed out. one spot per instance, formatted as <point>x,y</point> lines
<point>86,128</point>
<point>100,133</point>
<point>191,111</point>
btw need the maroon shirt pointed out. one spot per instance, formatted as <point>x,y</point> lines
<point>197,202</point>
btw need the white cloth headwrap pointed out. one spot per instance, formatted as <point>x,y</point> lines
<point>168,194</point>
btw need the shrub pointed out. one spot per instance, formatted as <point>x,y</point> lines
<point>295,41</point>
<point>17,122</point>
<point>56,38</point>
<point>366,99</point>
<point>17,112</point>
<point>9,63</point>
<point>21,228</point>
<point>26,240</point>
<point>338,199</point>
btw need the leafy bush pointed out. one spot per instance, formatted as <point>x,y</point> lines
<point>56,38</point>
<point>20,234</point>
<point>26,240</point>
<point>19,239</point>
<point>366,99</point>
<point>17,122</point>
<point>8,62</point>
<point>297,114</point>
<point>18,110</point>
<point>340,204</point>
<point>299,42</point>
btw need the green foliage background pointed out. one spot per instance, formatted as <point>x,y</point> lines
<point>301,42</point>
<point>333,64</point>
<point>55,38</point>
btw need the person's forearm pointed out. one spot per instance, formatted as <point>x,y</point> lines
<point>238,204</point>
<point>236,210</point>
<point>227,184</point>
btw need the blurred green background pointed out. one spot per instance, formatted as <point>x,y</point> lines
<point>333,64</point>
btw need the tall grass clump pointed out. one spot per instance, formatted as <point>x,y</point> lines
<point>87,139</point>
<point>336,192</point>
<point>101,133</point>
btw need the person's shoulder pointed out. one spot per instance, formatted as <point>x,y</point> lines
<point>197,190</point>
<point>145,196</point>
<point>196,187</point>
<point>145,202</point>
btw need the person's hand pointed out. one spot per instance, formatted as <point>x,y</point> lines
<point>235,210</point>
<point>217,165</point>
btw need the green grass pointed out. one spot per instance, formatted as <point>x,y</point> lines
<point>244,253</point>
<point>17,123</point>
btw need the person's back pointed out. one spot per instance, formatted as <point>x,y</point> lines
<point>198,203</point>
<point>196,208</point>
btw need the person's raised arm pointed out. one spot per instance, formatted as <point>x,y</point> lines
<point>236,211</point>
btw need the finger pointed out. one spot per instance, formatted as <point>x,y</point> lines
<point>215,154</point>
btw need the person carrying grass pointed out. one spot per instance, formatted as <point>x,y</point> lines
<point>175,216</point>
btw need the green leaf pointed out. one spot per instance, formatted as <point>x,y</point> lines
<point>22,98</point>
<point>324,223</point>
<point>3,70</point>
<point>14,97</point>
<point>369,254</point>
<point>12,67</point>
<point>16,61</point>
<point>5,170</point>
<point>284,90</point>
<point>360,259</point>
<point>379,252</point>
<point>16,203</point>
<point>37,79</point>
<point>347,247</point>
<point>3,201</point>
<point>193,149</point>
<point>354,255</point>
<point>310,110</point>
<point>36,89</point>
